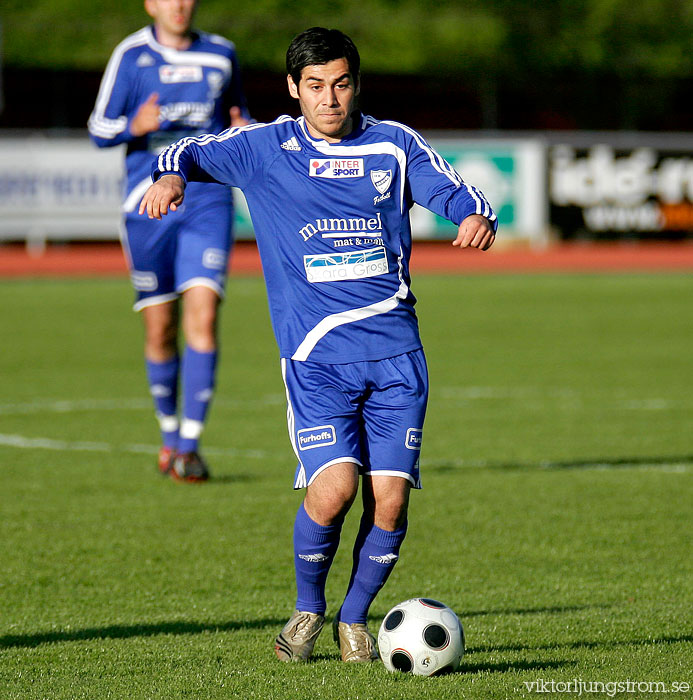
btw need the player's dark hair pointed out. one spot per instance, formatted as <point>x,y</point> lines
<point>317,46</point>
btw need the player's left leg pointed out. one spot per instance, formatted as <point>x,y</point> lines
<point>317,530</point>
<point>324,425</point>
<point>376,551</point>
<point>198,374</point>
<point>393,417</point>
<point>162,364</point>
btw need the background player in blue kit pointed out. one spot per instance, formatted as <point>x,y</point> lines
<point>164,82</point>
<point>330,194</point>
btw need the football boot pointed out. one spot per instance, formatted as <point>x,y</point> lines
<point>296,641</point>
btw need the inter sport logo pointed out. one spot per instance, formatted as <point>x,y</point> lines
<point>333,168</point>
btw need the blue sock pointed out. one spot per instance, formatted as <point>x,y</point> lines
<point>197,378</point>
<point>163,386</point>
<point>375,554</point>
<point>314,549</point>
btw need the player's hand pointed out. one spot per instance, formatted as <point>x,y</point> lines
<point>237,119</point>
<point>166,193</point>
<point>475,231</point>
<point>146,118</point>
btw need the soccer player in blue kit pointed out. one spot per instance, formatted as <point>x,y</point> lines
<point>164,82</point>
<point>329,194</point>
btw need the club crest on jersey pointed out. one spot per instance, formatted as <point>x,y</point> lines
<point>180,74</point>
<point>381,179</point>
<point>334,168</point>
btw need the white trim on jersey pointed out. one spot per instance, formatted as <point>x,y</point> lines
<point>102,126</point>
<point>391,472</point>
<point>291,424</point>
<point>333,321</point>
<point>99,124</point>
<point>169,158</point>
<point>437,161</point>
<point>320,470</point>
<point>339,319</point>
<point>136,194</point>
<point>189,58</point>
<point>154,301</point>
<point>442,166</point>
<point>383,147</point>
<point>201,282</point>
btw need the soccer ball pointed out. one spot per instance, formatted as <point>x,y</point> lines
<point>421,636</point>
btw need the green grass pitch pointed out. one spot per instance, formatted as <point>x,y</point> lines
<point>555,516</point>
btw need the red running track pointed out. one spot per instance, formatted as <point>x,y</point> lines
<point>106,259</point>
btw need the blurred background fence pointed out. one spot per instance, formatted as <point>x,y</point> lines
<point>575,119</point>
<point>544,187</point>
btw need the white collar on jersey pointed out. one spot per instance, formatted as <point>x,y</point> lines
<point>322,142</point>
<point>187,57</point>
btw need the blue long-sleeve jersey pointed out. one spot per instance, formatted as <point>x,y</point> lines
<point>196,87</point>
<point>332,226</point>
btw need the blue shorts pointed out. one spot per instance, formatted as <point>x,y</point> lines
<point>368,413</point>
<point>189,247</point>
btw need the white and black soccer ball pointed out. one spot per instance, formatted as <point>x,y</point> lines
<point>421,636</point>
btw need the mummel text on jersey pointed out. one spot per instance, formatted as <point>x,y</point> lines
<point>332,226</point>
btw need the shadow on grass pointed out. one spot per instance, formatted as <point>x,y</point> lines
<point>482,666</point>
<point>232,478</point>
<point>132,631</point>
<point>658,462</point>
<point>507,666</point>
<point>583,644</point>
<point>551,610</point>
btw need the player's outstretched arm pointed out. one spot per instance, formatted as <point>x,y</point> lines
<point>166,193</point>
<point>475,231</point>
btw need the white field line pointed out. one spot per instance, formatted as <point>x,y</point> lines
<point>139,404</point>
<point>450,393</point>
<point>101,405</point>
<point>568,398</point>
<point>27,443</point>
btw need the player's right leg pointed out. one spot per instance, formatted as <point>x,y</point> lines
<point>323,425</point>
<point>317,530</point>
<point>376,551</point>
<point>163,365</point>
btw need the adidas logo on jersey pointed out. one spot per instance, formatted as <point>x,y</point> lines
<point>291,145</point>
<point>145,60</point>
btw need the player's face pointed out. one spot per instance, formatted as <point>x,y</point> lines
<point>326,94</point>
<point>173,17</point>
